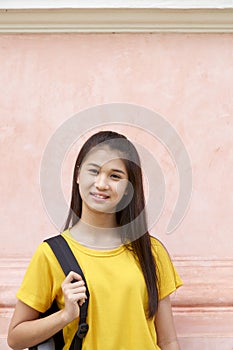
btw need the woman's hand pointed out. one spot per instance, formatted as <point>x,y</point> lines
<point>27,329</point>
<point>74,290</point>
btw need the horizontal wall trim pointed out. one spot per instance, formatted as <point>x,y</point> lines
<point>204,322</point>
<point>203,261</point>
<point>12,4</point>
<point>116,20</point>
<point>9,4</point>
<point>203,279</point>
<point>190,324</point>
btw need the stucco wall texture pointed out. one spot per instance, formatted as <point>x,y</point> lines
<point>187,79</point>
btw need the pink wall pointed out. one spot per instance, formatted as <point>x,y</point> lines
<point>187,79</point>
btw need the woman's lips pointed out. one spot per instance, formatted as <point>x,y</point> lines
<point>99,196</point>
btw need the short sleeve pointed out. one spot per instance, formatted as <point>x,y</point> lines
<point>37,288</point>
<point>168,280</point>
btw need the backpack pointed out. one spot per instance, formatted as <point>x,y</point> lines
<point>68,263</point>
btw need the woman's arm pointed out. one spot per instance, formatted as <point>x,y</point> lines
<point>27,329</point>
<point>164,324</point>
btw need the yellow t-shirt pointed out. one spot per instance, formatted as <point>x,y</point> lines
<point>118,295</point>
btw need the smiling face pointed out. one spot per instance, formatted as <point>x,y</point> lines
<point>102,181</point>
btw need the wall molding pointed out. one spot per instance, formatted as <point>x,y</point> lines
<point>203,279</point>
<point>13,4</point>
<point>202,308</point>
<point>116,20</point>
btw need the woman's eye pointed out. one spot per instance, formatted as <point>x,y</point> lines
<point>93,171</point>
<point>116,177</point>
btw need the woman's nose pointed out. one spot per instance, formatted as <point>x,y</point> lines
<point>101,182</point>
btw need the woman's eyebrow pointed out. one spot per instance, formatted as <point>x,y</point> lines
<point>93,164</point>
<point>119,171</point>
<point>98,166</point>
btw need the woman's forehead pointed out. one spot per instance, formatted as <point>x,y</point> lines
<point>104,155</point>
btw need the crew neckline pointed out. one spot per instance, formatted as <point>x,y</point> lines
<point>90,251</point>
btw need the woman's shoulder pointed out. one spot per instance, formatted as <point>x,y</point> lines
<point>43,252</point>
<point>168,278</point>
<point>159,250</point>
<point>156,244</point>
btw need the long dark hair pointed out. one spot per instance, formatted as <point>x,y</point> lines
<point>132,216</point>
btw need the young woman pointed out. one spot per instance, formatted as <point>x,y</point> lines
<point>128,272</point>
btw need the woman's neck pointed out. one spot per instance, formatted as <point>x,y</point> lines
<point>96,237</point>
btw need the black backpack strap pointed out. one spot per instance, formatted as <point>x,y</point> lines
<point>68,263</point>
